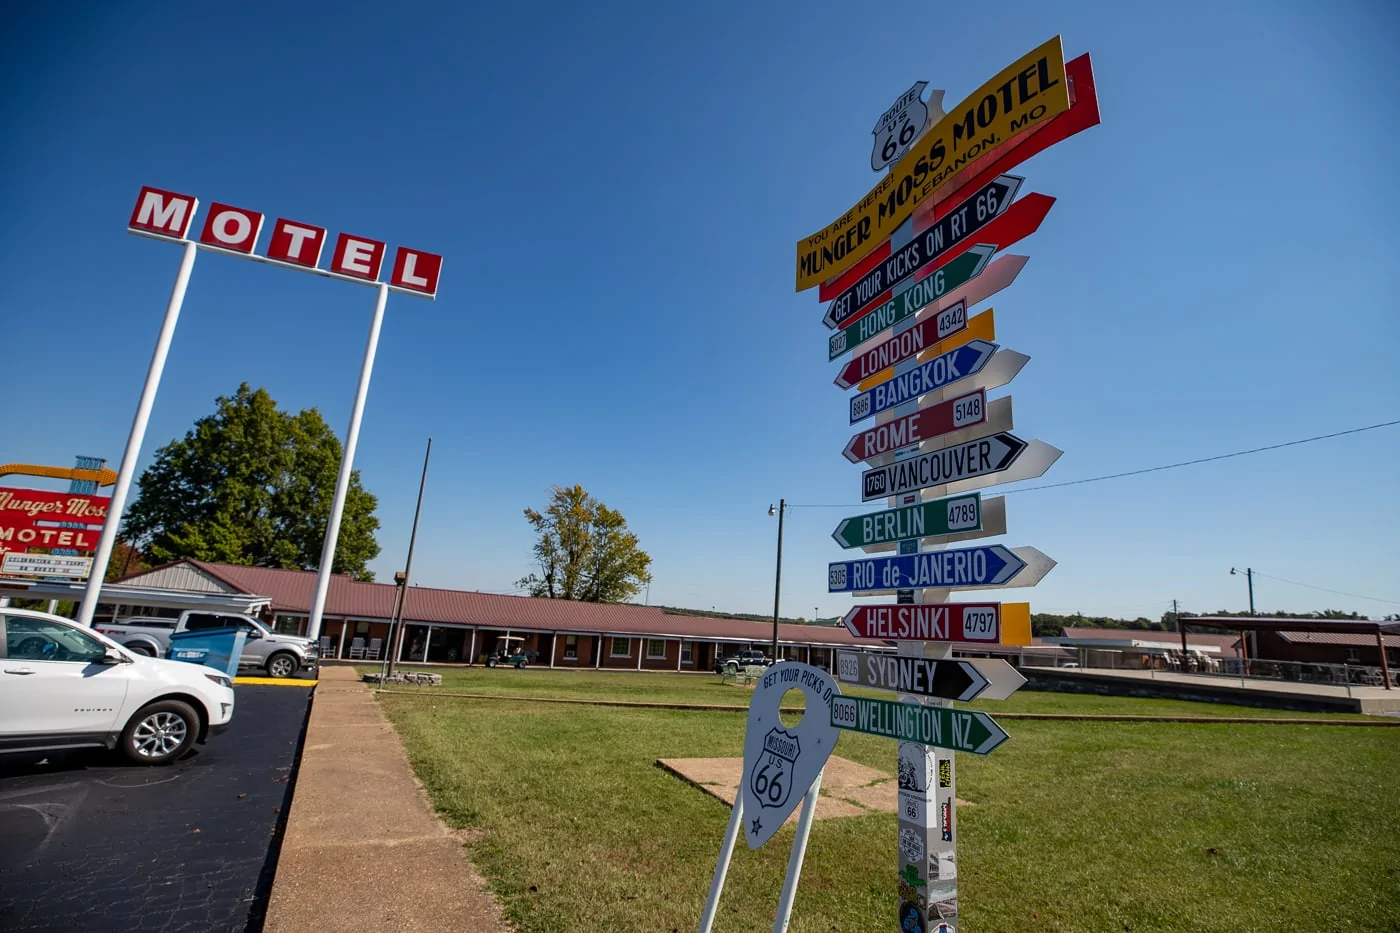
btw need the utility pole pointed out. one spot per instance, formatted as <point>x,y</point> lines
<point>778,575</point>
<point>1176,616</point>
<point>395,640</point>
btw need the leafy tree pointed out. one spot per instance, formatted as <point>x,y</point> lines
<point>251,484</point>
<point>585,551</point>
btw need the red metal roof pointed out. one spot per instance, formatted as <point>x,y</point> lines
<point>1338,638</point>
<point>291,591</point>
<point>1196,639</point>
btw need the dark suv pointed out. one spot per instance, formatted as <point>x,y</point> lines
<point>741,660</point>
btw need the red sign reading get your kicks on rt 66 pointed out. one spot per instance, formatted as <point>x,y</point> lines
<point>235,230</point>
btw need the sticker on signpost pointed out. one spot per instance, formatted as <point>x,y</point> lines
<point>780,762</point>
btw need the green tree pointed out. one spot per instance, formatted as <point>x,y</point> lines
<point>251,484</point>
<point>585,551</point>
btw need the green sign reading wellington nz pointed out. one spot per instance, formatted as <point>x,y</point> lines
<point>924,520</point>
<point>943,726</point>
<point>926,290</point>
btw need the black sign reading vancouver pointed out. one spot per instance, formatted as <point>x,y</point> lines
<point>928,245</point>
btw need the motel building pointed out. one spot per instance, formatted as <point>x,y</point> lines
<point>451,626</point>
<point>461,626</point>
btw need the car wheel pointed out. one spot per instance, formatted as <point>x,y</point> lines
<point>282,664</point>
<point>732,667</point>
<point>490,662</point>
<point>520,665</point>
<point>160,733</point>
<point>141,650</point>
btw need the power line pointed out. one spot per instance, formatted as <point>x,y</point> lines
<point>1377,599</point>
<point>1156,469</point>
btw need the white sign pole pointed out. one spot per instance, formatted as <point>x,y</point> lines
<point>342,483</point>
<point>799,851</point>
<point>136,438</point>
<point>726,853</point>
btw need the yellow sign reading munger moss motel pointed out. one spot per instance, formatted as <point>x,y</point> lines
<point>1026,94</point>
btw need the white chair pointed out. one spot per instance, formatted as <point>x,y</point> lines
<point>372,654</point>
<point>357,649</point>
<point>327,648</point>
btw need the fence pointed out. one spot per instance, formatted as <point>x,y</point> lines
<point>1191,662</point>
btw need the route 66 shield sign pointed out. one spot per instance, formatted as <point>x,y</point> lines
<point>780,763</point>
<point>899,126</point>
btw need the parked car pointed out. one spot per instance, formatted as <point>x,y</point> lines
<point>279,655</point>
<point>65,686</point>
<point>743,659</point>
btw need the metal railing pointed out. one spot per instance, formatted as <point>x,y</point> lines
<point>1177,662</point>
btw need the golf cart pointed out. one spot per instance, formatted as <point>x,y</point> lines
<point>510,649</point>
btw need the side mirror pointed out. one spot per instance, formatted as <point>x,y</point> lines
<point>113,656</point>
<point>254,634</point>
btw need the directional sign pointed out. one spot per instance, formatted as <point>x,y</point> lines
<point>980,457</point>
<point>943,726</point>
<point>925,424</point>
<point>1020,220</point>
<point>867,367</point>
<point>993,623</point>
<point>926,519</point>
<point>1031,91</point>
<point>925,248</point>
<point>992,565</point>
<point>989,678</point>
<point>1082,114</point>
<point>940,284</point>
<point>938,372</point>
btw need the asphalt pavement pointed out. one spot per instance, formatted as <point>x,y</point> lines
<point>94,844</point>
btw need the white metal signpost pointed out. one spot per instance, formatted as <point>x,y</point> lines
<point>234,231</point>
<point>903,302</point>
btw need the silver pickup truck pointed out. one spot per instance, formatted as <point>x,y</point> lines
<point>279,655</point>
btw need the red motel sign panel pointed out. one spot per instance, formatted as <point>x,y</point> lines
<point>236,230</point>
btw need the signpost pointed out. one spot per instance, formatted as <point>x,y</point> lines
<point>945,369</point>
<point>989,678</point>
<point>991,623</point>
<point>907,264</point>
<point>960,730</point>
<point>926,519</point>
<point>957,228</point>
<point>993,565</point>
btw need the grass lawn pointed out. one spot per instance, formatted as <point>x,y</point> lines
<point>1077,826</point>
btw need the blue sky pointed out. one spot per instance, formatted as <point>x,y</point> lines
<point>617,190</point>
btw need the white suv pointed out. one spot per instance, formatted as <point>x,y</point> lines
<point>66,686</point>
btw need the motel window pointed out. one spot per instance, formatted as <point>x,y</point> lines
<point>570,647</point>
<point>621,647</point>
<point>687,650</point>
<point>656,648</point>
<point>289,625</point>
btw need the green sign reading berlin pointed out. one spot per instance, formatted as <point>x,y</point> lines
<point>927,519</point>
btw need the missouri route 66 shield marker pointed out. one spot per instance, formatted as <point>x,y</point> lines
<point>780,763</point>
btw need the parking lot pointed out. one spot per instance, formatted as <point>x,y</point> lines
<point>93,843</point>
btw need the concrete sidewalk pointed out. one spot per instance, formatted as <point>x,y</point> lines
<point>363,849</point>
